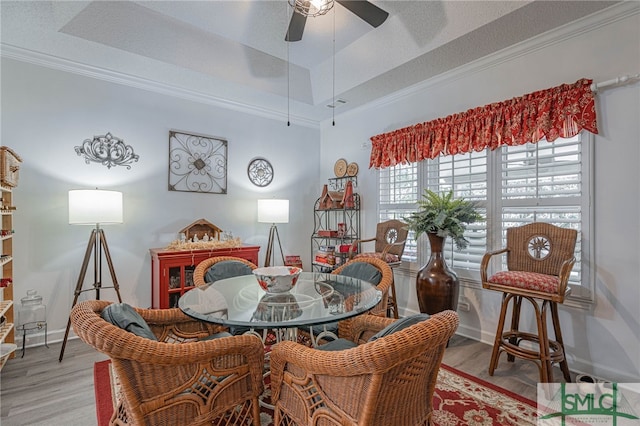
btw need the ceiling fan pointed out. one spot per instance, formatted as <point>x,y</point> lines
<point>365,10</point>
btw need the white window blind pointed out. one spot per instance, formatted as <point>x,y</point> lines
<point>543,182</point>
<point>514,185</point>
<point>466,176</point>
<point>398,193</point>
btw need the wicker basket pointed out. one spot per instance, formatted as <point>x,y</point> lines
<point>9,167</point>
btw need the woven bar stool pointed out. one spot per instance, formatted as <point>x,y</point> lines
<point>390,239</point>
<point>540,257</point>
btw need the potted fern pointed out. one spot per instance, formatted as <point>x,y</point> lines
<point>440,216</point>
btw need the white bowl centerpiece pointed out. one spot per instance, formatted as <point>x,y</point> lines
<point>277,279</point>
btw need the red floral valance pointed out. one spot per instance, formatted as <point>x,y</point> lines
<point>561,111</point>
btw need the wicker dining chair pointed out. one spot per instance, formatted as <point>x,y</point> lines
<point>177,380</point>
<point>540,257</point>
<point>390,239</point>
<point>385,281</point>
<point>384,285</point>
<point>388,381</point>
<point>221,267</point>
<point>318,333</point>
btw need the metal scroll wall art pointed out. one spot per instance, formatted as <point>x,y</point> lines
<point>197,163</point>
<point>107,150</point>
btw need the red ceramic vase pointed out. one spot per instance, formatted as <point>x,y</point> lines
<point>437,286</point>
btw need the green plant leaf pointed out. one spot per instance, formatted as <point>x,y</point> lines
<point>444,215</point>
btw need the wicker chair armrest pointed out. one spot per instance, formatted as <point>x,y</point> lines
<point>171,325</point>
<point>563,276</point>
<point>367,358</point>
<point>354,245</point>
<point>118,343</point>
<point>389,246</point>
<point>364,326</point>
<point>484,265</point>
<point>166,371</point>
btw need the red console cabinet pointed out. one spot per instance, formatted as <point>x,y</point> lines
<point>172,271</point>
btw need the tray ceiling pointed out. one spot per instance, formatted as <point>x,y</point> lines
<point>235,50</point>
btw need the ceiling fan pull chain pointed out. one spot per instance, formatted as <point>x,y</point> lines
<point>333,95</point>
<point>286,9</point>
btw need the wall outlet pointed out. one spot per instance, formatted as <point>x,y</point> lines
<point>464,306</point>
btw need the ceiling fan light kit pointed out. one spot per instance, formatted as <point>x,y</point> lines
<point>365,10</point>
<point>302,9</point>
<point>311,7</point>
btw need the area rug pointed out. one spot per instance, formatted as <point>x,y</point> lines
<point>459,399</point>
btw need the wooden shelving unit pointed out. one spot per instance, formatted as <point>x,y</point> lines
<point>7,332</point>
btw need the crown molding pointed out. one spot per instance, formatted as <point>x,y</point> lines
<point>53,62</point>
<point>558,35</point>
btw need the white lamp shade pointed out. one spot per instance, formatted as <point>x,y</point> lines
<point>273,211</point>
<point>94,206</point>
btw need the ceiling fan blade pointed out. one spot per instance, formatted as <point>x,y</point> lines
<point>366,11</point>
<point>296,27</point>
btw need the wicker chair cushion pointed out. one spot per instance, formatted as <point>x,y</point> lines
<point>226,269</point>
<point>527,280</point>
<point>389,258</point>
<point>342,344</point>
<point>401,324</point>
<point>363,271</point>
<point>337,345</point>
<point>124,316</point>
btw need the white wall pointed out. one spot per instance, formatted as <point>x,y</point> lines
<point>46,113</point>
<point>604,340</point>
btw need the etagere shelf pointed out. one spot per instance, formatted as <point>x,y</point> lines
<point>335,228</point>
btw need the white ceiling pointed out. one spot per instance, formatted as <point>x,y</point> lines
<point>235,50</point>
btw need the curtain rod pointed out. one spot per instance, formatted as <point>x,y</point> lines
<point>614,82</point>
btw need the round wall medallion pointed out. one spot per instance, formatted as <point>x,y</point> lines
<point>260,172</point>
<point>340,168</point>
<point>352,169</point>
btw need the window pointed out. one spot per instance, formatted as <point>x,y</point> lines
<point>513,186</point>
<point>398,193</point>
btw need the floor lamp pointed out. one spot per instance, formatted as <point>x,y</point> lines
<point>273,211</point>
<point>94,207</point>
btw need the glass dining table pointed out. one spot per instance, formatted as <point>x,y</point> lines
<point>316,299</point>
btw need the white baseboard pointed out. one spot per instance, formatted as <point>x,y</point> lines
<point>37,339</point>
<point>576,363</point>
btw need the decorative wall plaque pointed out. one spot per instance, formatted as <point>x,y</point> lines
<point>197,163</point>
<point>107,150</point>
<point>260,172</point>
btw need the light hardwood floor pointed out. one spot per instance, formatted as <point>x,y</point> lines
<point>39,390</point>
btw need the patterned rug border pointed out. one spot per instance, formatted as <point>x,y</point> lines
<point>462,399</point>
<point>490,385</point>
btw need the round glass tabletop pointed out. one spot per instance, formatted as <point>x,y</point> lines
<point>316,299</point>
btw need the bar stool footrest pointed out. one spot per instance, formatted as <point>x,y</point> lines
<point>556,353</point>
